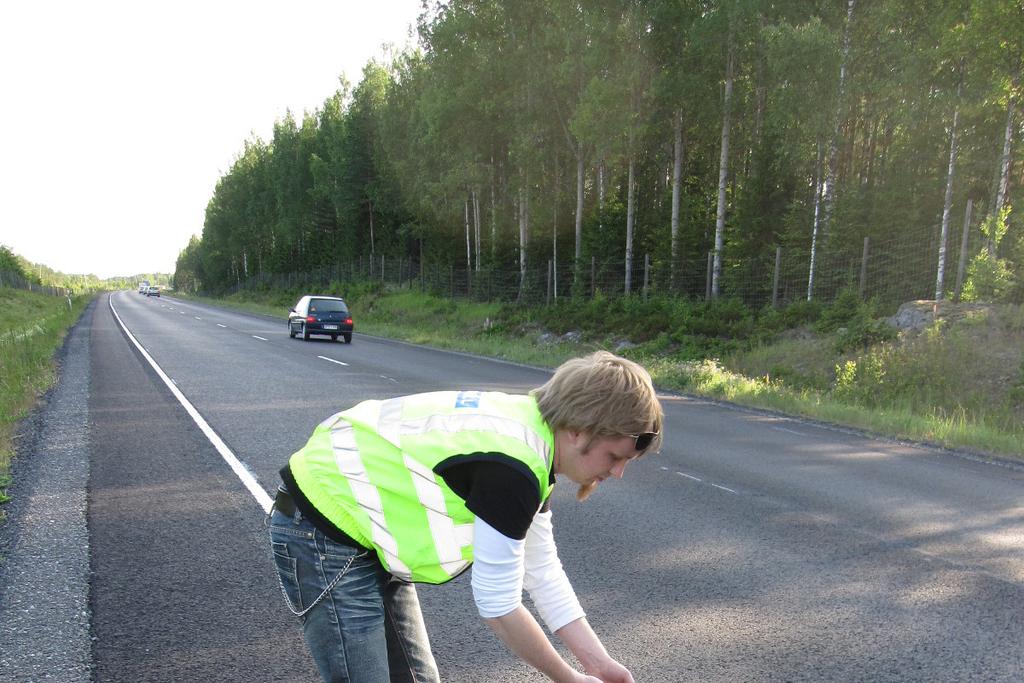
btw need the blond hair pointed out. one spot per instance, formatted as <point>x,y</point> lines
<point>602,394</point>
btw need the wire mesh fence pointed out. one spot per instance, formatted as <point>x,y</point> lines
<point>14,280</point>
<point>890,271</point>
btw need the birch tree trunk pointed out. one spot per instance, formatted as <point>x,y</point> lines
<point>630,191</point>
<point>723,174</point>
<point>814,229</point>
<point>829,190</point>
<point>1004,171</point>
<point>554,230</point>
<point>469,257</point>
<point>476,228</point>
<point>947,204</point>
<point>524,207</point>
<point>578,252</point>
<point>677,172</point>
<point>494,216</point>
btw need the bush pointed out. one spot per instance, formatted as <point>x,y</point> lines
<point>988,278</point>
<point>841,311</point>
<point>724,319</point>
<point>800,313</point>
<point>771,321</point>
<point>863,331</point>
<point>861,381</point>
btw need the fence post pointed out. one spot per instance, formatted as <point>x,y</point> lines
<point>707,287</point>
<point>864,267</point>
<point>775,283</point>
<point>962,263</point>
<point>647,273</point>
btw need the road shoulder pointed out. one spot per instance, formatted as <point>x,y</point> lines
<point>44,577</point>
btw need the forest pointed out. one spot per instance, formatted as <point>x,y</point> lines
<point>720,148</point>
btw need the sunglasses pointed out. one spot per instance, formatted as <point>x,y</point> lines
<point>643,441</point>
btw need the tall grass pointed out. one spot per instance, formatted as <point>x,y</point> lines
<point>32,327</point>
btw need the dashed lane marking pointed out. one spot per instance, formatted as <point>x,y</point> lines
<point>332,360</point>
<point>260,338</point>
<point>790,431</point>
<point>724,488</point>
<point>224,326</point>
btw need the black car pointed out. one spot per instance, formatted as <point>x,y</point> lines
<point>327,315</point>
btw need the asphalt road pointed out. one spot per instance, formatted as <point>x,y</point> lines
<point>753,548</point>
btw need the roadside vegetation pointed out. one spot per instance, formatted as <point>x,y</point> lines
<point>615,150</point>
<point>37,307</point>
<point>955,379</point>
<point>32,328</point>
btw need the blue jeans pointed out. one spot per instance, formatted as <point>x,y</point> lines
<point>361,624</point>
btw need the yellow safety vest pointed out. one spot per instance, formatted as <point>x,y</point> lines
<point>371,471</point>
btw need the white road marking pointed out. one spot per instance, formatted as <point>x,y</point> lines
<point>791,431</point>
<point>724,488</point>
<point>389,379</point>
<point>260,338</point>
<point>332,360</point>
<point>688,476</point>
<point>182,312</point>
<point>224,326</point>
<point>197,317</point>
<point>248,480</point>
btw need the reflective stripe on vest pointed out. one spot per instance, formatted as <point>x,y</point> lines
<point>381,487</point>
<point>350,465</point>
<point>393,428</point>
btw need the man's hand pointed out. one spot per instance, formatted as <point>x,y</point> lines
<point>584,643</point>
<point>610,671</point>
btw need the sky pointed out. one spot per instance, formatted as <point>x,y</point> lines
<point>118,118</point>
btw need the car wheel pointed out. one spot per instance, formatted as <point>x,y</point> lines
<point>348,337</point>
<point>305,332</point>
<point>291,331</point>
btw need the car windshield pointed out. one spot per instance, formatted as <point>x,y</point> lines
<point>327,306</point>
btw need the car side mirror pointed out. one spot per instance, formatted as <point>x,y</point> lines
<point>291,310</point>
